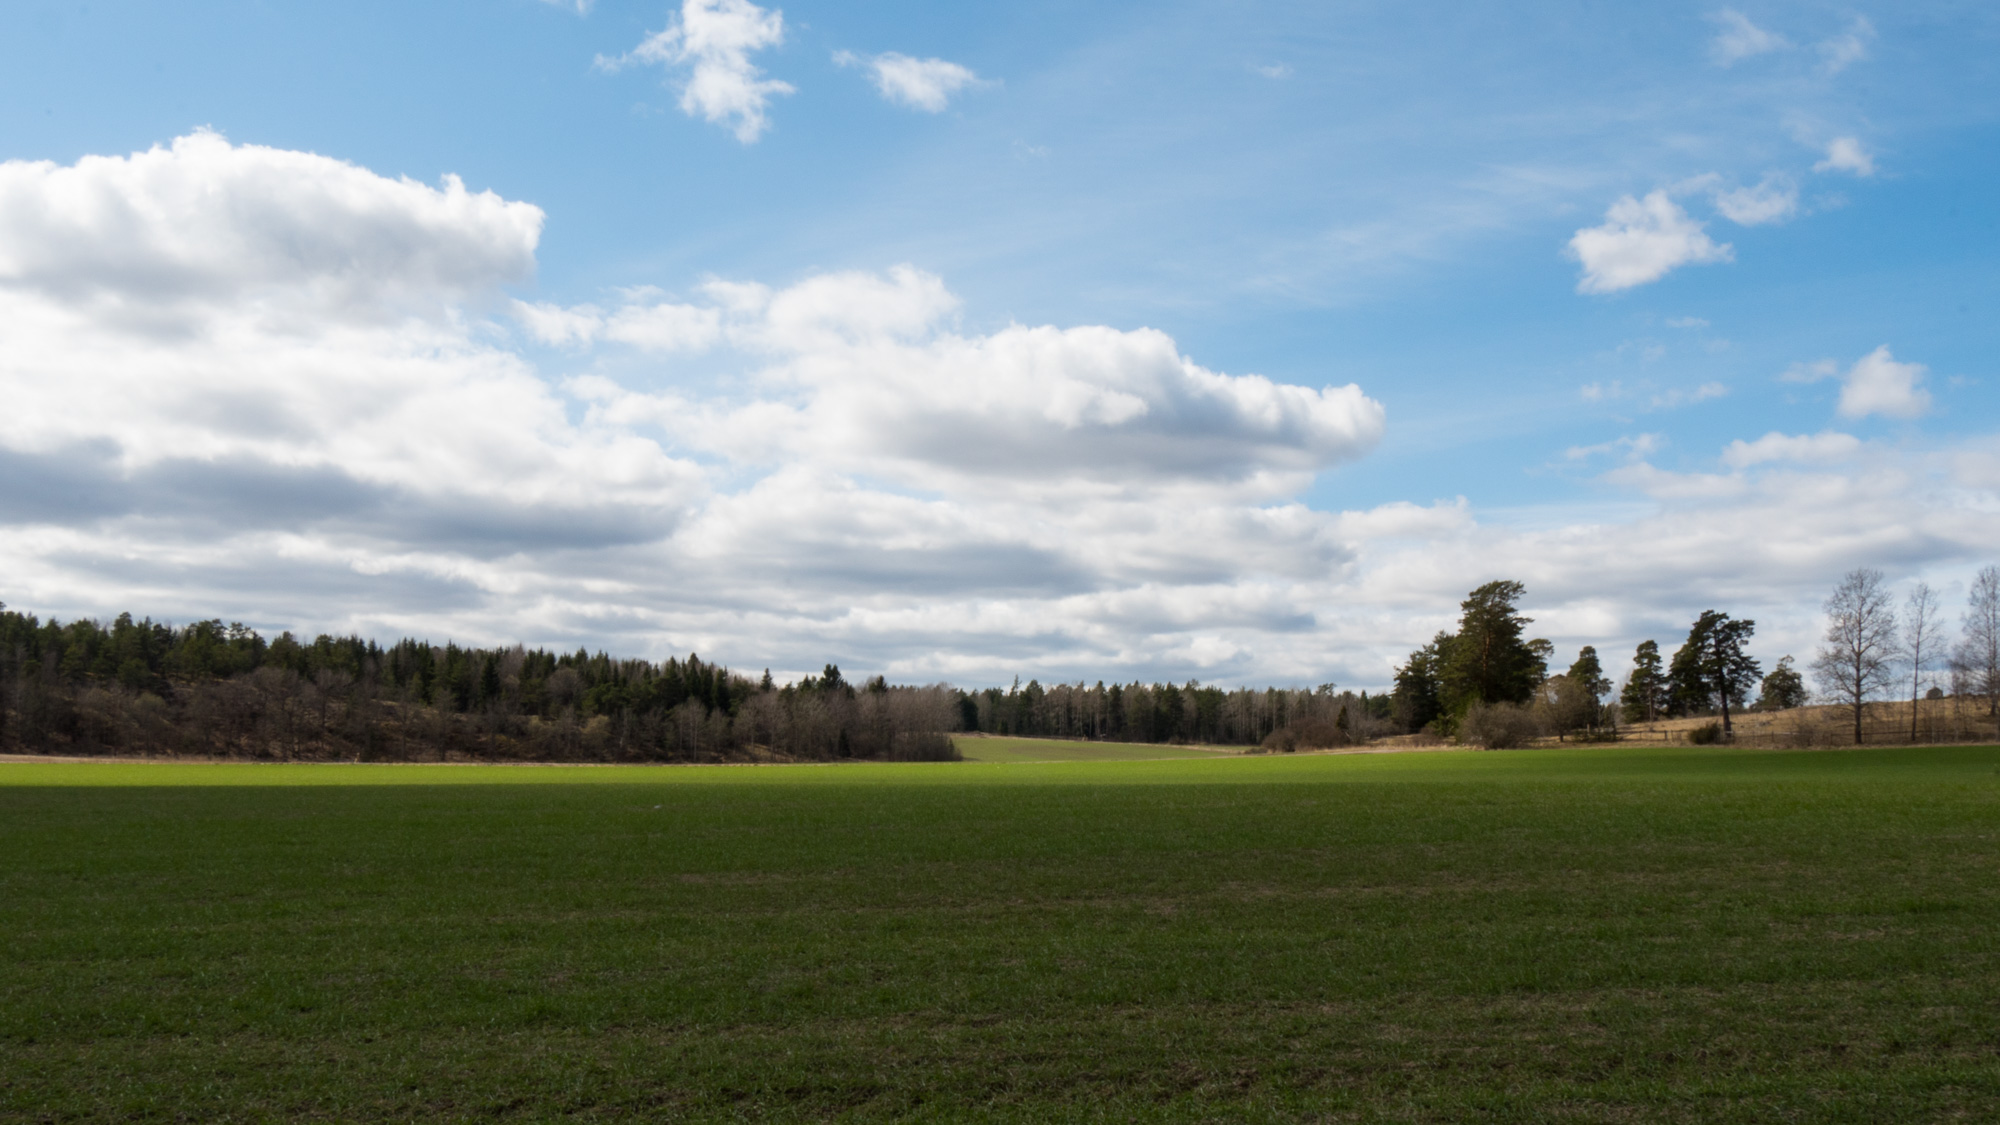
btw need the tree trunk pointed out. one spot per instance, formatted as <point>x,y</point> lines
<point>1914,687</point>
<point>1859,704</point>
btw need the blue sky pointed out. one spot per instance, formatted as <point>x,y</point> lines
<point>849,442</point>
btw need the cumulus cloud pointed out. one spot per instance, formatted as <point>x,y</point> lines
<point>256,383</point>
<point>863,371</point>
<point>1845,154</point>
<point>1641,241</point>
<point>301,420</point>
<point>1736,38</point>
<point>290,325</point>
<point>137,235</point>
<point>1772,201</point>
<point>711,43</point>
<point>1774,446</point>
<point>925,84</point>
<point>1878,384</point>
<point>649,325</point>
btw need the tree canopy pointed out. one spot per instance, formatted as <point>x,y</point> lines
<point>1711,669</point>
<point>1645,694</point>
<point>1784,688</point>
<point>1489,660</point>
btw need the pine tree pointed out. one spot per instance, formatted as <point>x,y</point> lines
<point>1712,666</point>
<point>1645,694</point>
<point>1784,688</point>
<point>1588,675</point>
<point>1416,697</point>
<point>1489,661</point>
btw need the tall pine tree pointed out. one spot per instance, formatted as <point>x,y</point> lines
<point>1489,661</point>
<point>1645,695</point>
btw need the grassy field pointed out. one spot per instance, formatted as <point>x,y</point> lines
<point>989,749</point>
<point>1564,935</point>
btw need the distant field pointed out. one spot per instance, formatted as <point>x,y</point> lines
<point>1549,935</point>
<point>1057,750</point>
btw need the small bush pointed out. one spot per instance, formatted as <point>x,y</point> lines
<point>1307,734</point>
<point>1708,734</point>
<point>923,746</point>
<point>1499,726</point>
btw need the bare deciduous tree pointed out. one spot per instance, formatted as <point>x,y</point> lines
<point>1920,641</point>
<point>1979,651</point>
<point>1858,658</point>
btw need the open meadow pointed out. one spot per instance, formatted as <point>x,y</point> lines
<point>994,748</point>
<point>1573,934</point>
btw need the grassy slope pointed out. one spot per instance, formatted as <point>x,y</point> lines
<point>1588,935</point>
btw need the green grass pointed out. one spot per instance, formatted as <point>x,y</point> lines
<point>1059,750</point>
<point>1561,935</point>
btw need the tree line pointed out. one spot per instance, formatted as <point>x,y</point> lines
<point>1489,682</point>
<point>210,689</point>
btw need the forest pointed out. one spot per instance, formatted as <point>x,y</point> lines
<point>140,687</point>
<point>208,689</point>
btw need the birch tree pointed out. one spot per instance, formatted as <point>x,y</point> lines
<point>1920,641</point>
<point>1857,660</point>
<point>1979,651</point>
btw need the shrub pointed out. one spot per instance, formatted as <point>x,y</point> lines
<point>1708,734</point>
<point>1498,726</point>
<point>1308,734</point>
<point>923,746</point>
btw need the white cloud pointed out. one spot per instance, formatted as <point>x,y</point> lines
<point>1818,448</point>
<point>651,326</point>
<point>1632,447</point>
<point>136,235</point>
<point>1274,70</point>
<point>1771,201</point>
<point>1739,39</point>
<point>208,341</point>
<point>926,84</point>
<point>1841,51</point>
<point>1812,372</point>
<point>257,384</point>
<point>861,372</point>
<point>1845,154</point>
<point>1679,396</point>
<point>713,40</point>
<point>558,326</point>
<point>1661,484</point>
<point>1640,241</point>
<point>254,383</point>
<point>1877,384</point>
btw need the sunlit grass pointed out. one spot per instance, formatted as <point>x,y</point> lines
<point>1584,934</point>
